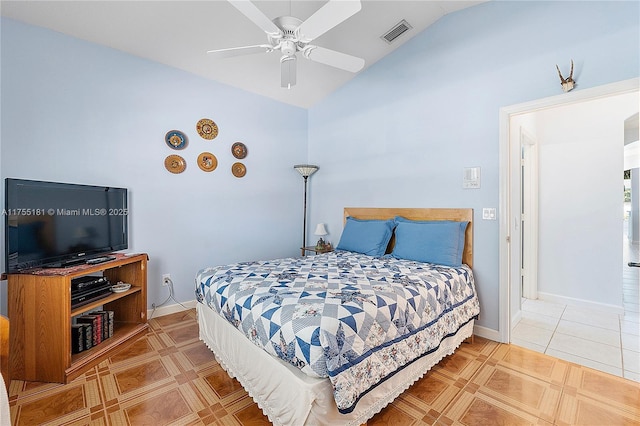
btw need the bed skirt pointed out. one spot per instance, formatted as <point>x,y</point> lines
<point>289,397</point>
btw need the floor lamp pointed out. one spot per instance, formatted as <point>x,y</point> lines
<point>305,170</point>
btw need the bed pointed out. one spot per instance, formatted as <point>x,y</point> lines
<point>334,338</point>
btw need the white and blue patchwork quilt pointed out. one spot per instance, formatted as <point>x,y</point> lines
<point>353,318</point>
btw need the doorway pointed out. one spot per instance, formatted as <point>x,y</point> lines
<point>511,118</point>
<point>577,219</point>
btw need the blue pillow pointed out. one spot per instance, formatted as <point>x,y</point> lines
<point>463,228</point>
<point>438,241</point>
<point>369,237</point>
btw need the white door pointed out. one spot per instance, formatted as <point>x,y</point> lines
<point>529,215</point>
<point>523,269</point>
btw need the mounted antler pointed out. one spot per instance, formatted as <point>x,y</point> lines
<point>567,83</point>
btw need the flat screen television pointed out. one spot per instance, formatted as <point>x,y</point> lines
<point>52,224</point>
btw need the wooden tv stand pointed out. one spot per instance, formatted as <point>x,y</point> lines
<point>40,316</point>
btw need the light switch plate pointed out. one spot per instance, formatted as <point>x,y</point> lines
<point>488,213</point>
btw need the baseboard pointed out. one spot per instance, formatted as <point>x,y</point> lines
<point>487,333</point>
<point>581,303</point>
<point>171,309</point>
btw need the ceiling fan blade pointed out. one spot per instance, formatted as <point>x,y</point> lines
<point>288,71</point>
<point>252,12</point>
<point>333,58</point>
<point>327,17</point>
<point>238,51</point>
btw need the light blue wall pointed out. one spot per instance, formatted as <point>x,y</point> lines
<point>73,111</point>
<point>400,134</point>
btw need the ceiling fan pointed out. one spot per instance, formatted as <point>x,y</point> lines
<point>290,35</point>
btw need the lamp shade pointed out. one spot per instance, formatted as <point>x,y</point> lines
<point>306,170</point>
<point>321,230</point>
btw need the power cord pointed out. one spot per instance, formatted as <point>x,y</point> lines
<point>169,283</point>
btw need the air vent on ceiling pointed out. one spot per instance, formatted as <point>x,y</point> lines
<point>395,32</point>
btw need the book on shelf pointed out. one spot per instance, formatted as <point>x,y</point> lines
<point>91,329</point>
<point>96,323</point>
<point>107,323</point>
<point>77,338</point>
<point>104,322</point>
<point>87,334</point>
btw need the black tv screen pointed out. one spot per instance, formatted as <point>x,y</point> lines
<point>58,224</point>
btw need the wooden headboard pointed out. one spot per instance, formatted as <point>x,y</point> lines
<point>459,215</point>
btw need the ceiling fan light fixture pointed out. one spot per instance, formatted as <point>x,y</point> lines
<point>287,71</point>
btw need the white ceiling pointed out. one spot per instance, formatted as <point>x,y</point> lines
<point>178,33</point>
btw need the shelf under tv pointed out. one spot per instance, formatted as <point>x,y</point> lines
<point>123,335</point>
<point>41,316</point>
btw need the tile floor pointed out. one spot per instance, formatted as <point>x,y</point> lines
<point>169,377</point>
<point>603,341</point>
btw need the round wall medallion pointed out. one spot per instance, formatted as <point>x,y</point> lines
<point>238,170</point>
<point>176,139</point>
<point>239,150</point>
<point>175,164</point>
<point>207,161</point>
<point>207,128</point>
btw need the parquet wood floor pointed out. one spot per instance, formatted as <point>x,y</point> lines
<point>169,377</point>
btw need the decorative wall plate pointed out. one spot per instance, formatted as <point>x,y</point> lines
<point>207,128</point>
<point>238,170</point>
<point>175,164</point>
<point>207,161</point>
<point>239,150</point>
<point>175,139</point>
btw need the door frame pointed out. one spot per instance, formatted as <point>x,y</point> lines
<point>507,188</point>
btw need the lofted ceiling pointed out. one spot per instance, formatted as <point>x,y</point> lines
<point>178,33</point>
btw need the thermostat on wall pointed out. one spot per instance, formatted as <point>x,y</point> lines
<point>471,178</point>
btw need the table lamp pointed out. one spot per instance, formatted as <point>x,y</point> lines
<point>321,231</point>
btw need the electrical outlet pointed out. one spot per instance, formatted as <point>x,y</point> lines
<point>166,279</point>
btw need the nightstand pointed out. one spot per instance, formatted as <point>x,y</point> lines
<point>315,250</point>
